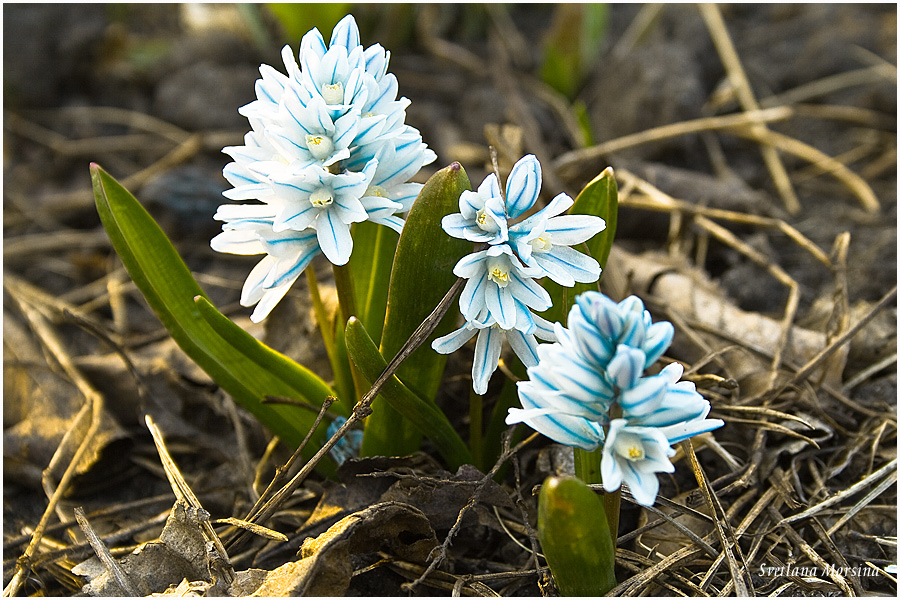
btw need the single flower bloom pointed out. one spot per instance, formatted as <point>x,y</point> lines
<point>498,282</point>
<point>336,72</point>
<point>248,230</point>
<point>396,160</point>
<point>544,240</point>
<point>328,203</point>
<point>634,455</point>
<point>481,216</point>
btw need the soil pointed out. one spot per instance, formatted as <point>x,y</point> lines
<point>125,86</point>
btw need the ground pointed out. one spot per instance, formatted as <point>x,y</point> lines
<point>779,222</point>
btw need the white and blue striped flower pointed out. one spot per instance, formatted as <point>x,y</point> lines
<point>481,216</point>
<point>328,148</point>
<point>499,283</point>
<point>248,230</point>
<point>634,455</point>
<point>496,303</point>
<point>544,240</point>
<point>598,364</point>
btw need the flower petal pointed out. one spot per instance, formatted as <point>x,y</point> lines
<point>525,347</point>
<point>626,366</point>
<point>487,357</point>
<point>454,341</point>
<point>245,242</point>
<point>501,304</point>
<point>334,238</point>
<point>569,230</point>
<point>523,186</point>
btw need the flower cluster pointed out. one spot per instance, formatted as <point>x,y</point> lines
<point>598,363</point>
<point>501,290</point>
<point>328,148</point>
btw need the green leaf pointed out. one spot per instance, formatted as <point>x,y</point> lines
<point>575,538</point>
<point>425,416</point>
<point>242,366</point>
<point>599,198</point>
<point>373,254</point>
<point>421,275</point>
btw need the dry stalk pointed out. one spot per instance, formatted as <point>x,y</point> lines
<point>184,492</point>
<point>91,411</point>
<point>738,79</point>
<point>743,586</point>
<point>102,552</point>
<point>853,182</point>
<point>574,161</point>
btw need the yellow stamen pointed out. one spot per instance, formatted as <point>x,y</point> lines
<point>321,197</point>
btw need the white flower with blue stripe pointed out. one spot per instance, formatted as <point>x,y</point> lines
<point>496,302</point>
<point>481,216</point>
<point>250,229</point>
<point>502,289</point>
<point>489,344</point>
<point>599,364</point>
<point>328,148</point>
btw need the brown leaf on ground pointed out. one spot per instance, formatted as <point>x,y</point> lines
<point>325,566</point>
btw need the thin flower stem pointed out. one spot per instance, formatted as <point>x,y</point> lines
<point>475,428</point>
<point>587,465</point>
<point>611,502</point>
<point>587,468</point>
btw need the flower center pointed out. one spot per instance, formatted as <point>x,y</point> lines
<point>629,446</point>
<point>499,276</point>
<point>484,222</point>
<point>541,244</point>
<point>377,191</point>
<point>319,146</point>
<point>320,198</point>
<point>333,93</point>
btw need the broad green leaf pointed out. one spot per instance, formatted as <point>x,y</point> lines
<point>425,416</point>
<point>599,198</point>
<point>574,536</point>
<point>243,367</point>
<point>421,275</point>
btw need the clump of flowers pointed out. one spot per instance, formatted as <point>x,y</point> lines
<point>328,148</point>
<point>502,290</point>
<point>597,364</point>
